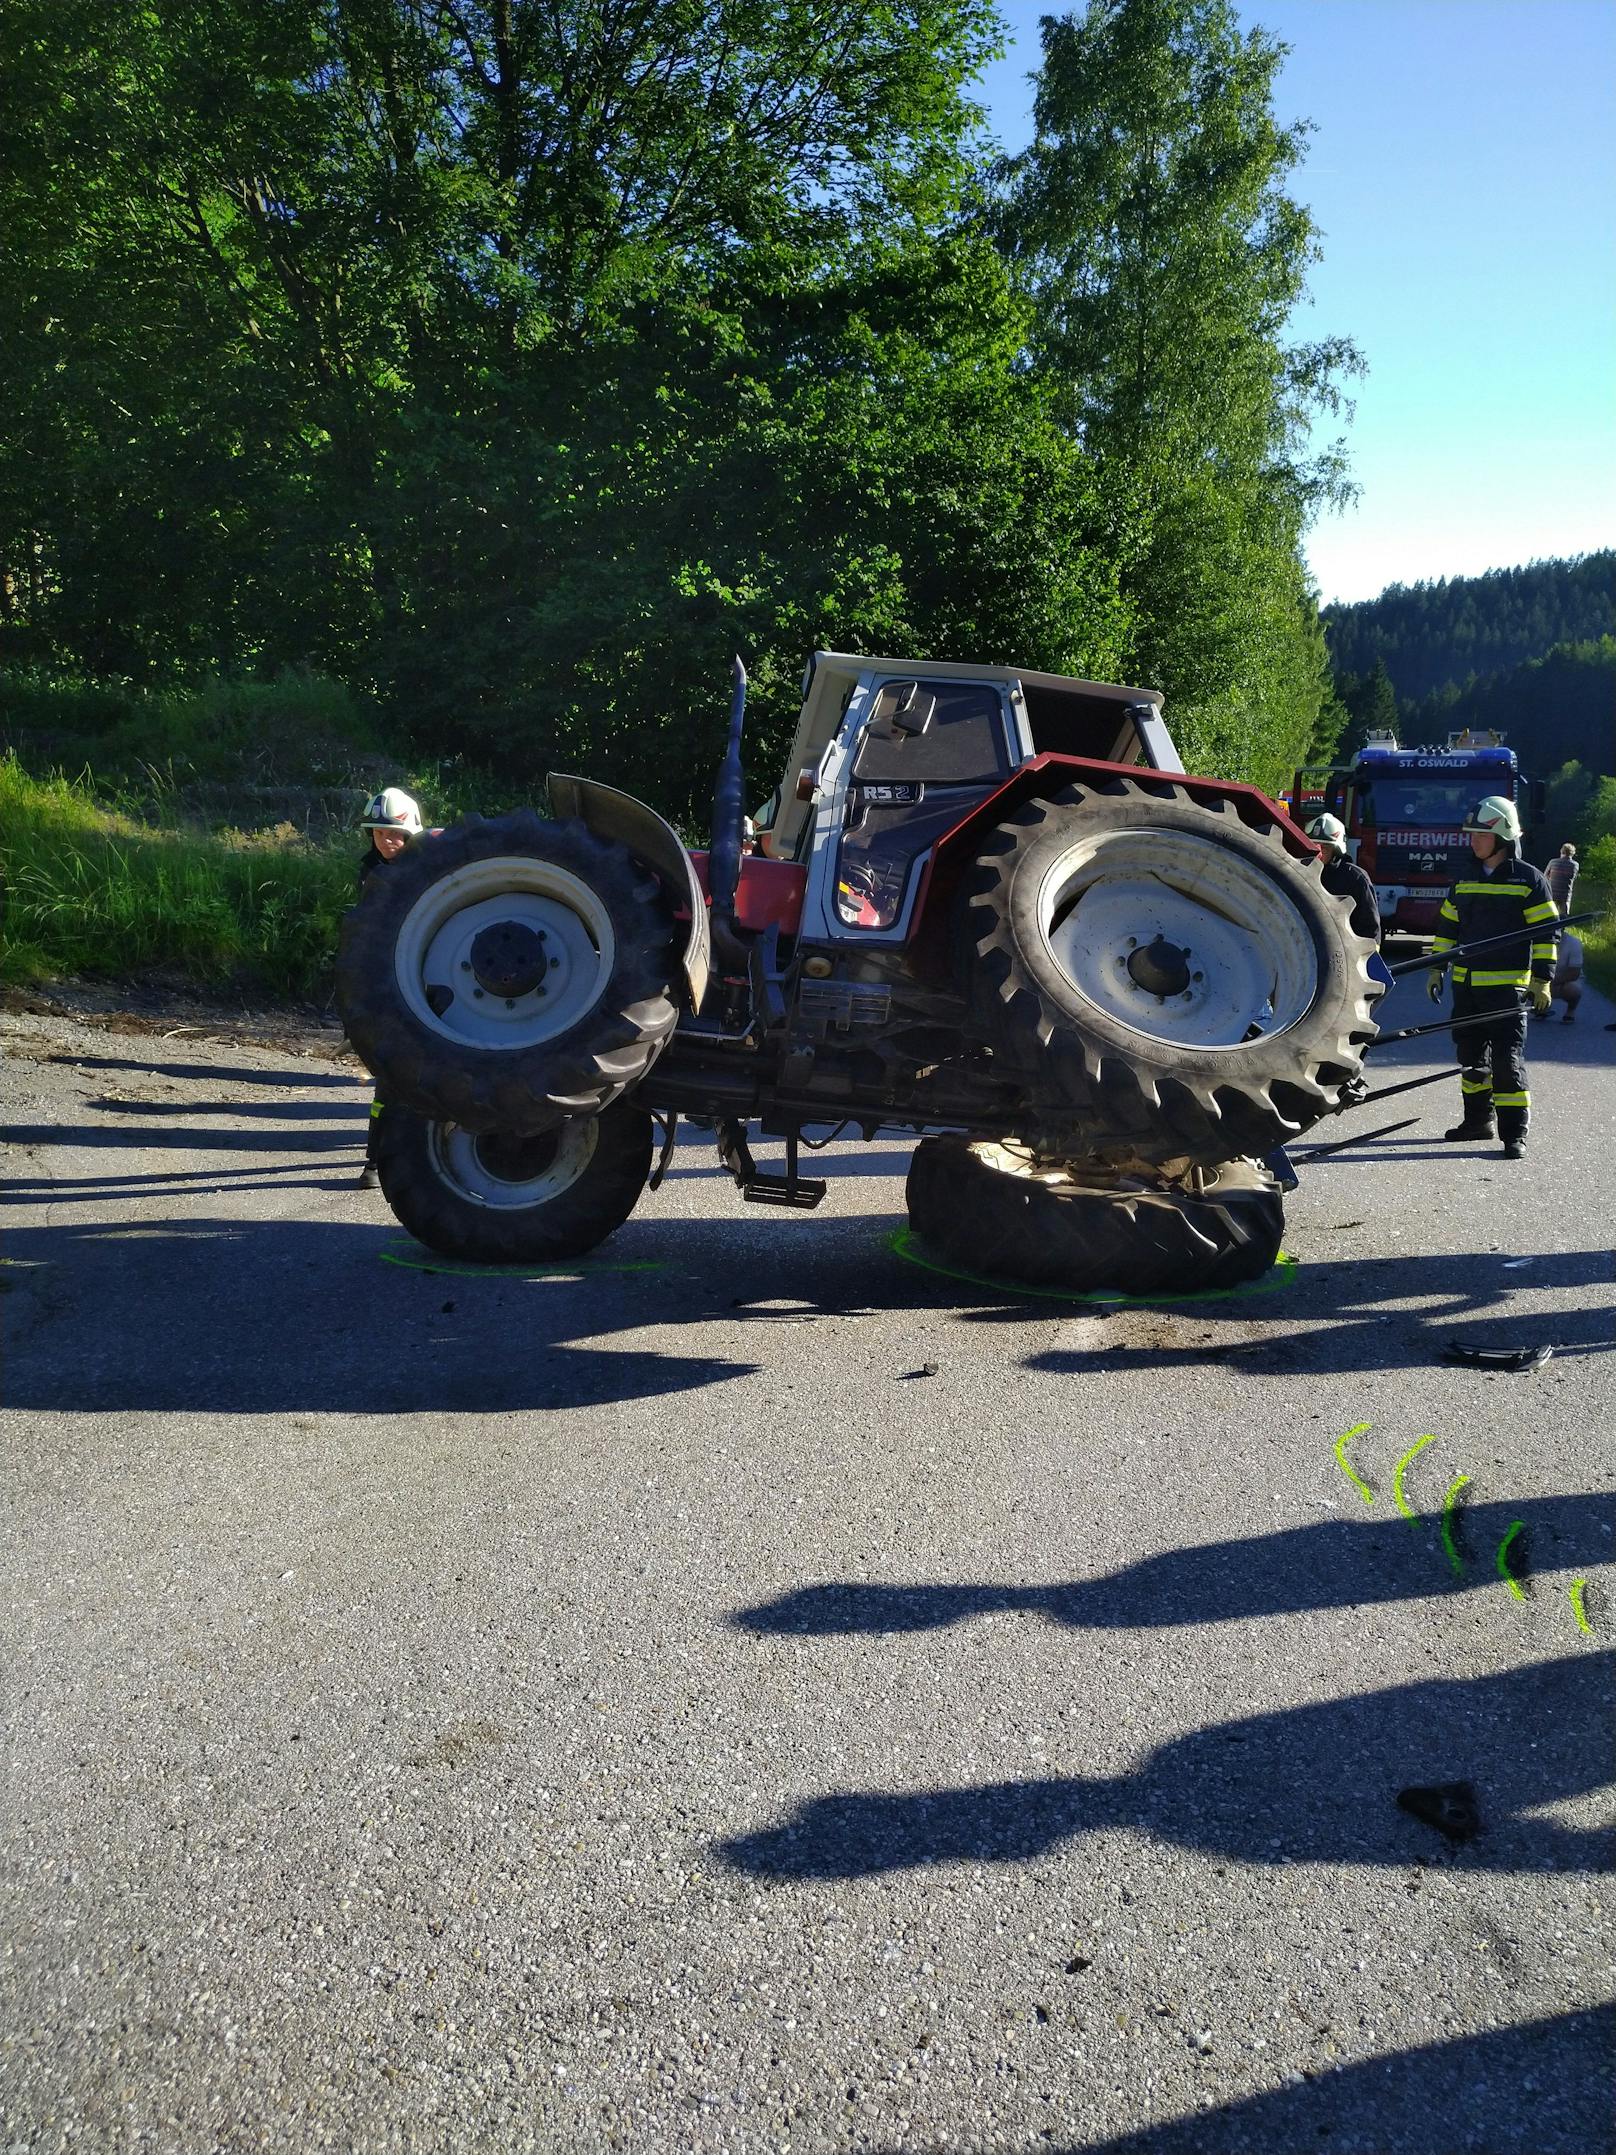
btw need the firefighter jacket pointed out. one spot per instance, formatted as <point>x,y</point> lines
<point>1514,896</point>
<point>1345,879</point>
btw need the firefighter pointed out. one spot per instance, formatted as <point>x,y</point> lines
<point>392,818</point>
<point>1505,893</point>
<point>1343,878</point>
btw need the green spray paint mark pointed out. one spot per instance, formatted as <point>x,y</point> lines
<point>903,1244</point>
<point>1502,1561</point>
<point>1460,1481</point>
<point>1341,1444</point>
<point>1403,1465</point>
<point>1576,1590</point>
<point>579,1271</point>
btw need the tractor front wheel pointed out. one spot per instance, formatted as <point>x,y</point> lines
<point>492,1197</point>
<point>1004,1212</point>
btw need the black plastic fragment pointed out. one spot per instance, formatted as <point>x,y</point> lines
<point>1496,1357</point>
<point>1450,1806</point>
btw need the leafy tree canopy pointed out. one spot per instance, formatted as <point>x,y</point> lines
<point>514,360</point>
<point>1150,223</point>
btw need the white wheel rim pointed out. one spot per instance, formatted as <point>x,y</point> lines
<point>1232,935</point>
<point>512,1176</point>
<point>434,952</point>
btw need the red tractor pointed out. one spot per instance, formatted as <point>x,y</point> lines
<point>989,909</point>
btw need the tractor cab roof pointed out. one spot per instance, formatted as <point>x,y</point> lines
<point>831,677</point>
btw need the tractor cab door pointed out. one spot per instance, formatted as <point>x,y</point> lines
<point>926,752</point>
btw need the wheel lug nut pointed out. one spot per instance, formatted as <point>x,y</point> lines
<point>465,965</point>
<point>509,1005</point>
<point>477,994</point>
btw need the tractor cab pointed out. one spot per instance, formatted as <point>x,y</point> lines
<point>892,754</point>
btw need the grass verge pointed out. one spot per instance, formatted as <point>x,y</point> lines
<point>1599,942</point>
<point>90,891</point>
<point>300,748</point>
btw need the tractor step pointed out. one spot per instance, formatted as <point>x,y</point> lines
<point>800,1192</point>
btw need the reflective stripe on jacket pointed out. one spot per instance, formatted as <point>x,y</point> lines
<point>1514,896</point>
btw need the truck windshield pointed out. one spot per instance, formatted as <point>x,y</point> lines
<point>1437,803</point>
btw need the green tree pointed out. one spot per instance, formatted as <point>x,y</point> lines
<point>1567,795</point>
<point>1150,223</point>
<point>519,358</point>
<point>1370,704</point>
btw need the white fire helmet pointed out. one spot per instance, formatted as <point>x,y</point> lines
<point>1496,818</point>
<point>392,810</point>
<point>1328,831</point>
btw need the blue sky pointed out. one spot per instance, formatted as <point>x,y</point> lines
<point>1463,171</point>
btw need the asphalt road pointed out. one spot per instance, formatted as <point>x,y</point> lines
<point>754,1694</point>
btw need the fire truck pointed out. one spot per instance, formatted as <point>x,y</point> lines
<point>1403,808</point>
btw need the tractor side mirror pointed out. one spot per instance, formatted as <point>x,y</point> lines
<point>1539,801</point>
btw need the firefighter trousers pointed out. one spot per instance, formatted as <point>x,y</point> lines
<point>1491,1047</point>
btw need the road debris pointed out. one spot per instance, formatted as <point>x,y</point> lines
<point>1509,1358</point>
<point>1450,1806</point>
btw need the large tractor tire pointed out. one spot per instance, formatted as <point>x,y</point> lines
<point>1000,1212</point>
<point>505,975</point>
<point>498,1199</point>
<point>1174,980</point>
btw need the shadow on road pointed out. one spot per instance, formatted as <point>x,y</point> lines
<point>213,1073</point>
<point>91,1189</point>
<point>116,1137</point>
<point>1542,2087</point>
<point>243,1316</point>
<point>253,1306</point>
<point>1332,1564</point>
<point>354,1110</point>
<point>1365,1313</point>
<point>1305,1784</point>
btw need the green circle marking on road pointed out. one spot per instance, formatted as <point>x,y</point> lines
<point>902,1243</point>
<point>1357,1480</point>
<point>1576,1590</point>
<point>580,1270</point>
<point>1502,1561</point>
<point>1403,1465</point>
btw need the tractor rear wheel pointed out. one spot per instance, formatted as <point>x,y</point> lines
<point>1000,1211</point>
<point>495,1198</point>
<point>1167,975</point>
<point>505,975</point>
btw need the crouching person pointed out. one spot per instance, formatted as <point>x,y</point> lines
<point>1566,986</point>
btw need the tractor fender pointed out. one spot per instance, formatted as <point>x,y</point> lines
<point>1039,778</point>
<point>652,839</point>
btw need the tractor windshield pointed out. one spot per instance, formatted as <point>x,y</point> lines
<point>930,750</point>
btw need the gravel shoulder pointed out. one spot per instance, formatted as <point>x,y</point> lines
<point>748,1693</point>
